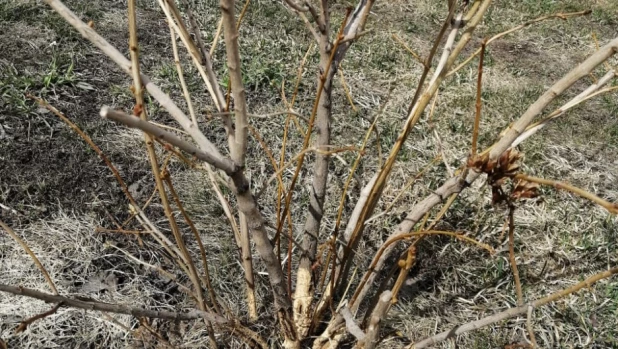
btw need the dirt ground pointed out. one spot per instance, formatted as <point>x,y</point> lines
<point>55,191</point>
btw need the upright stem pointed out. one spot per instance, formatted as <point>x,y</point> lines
<point>246,201</point>
<point>238,143</point>
<point>330,57</point>
<point>477,117</point>
<point>329,338</point>
<point>232,50</point>
<point>413,117</point>
<point>247,264</point>
<point>304,279</point>
<point>140,110</point>
<point>520,295</point>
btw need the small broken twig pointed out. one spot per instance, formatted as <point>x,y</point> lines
<point>24,324</point>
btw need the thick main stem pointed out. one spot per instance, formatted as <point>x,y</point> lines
<point>304,280</point>
<point>329,62</point>
<point>247,264</point>
<point>246,201</point>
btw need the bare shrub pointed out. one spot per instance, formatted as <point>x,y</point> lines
<point>324,279</point>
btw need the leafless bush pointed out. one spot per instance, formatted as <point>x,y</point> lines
<point>314,299</point>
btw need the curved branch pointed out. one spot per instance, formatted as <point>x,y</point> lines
<point>609,206</point>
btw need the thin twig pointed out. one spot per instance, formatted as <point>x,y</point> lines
<point>530,327</point>
<point>164,100</point>
<point>281,193</point>
<point>264,116</point>
<point>140,111</point>
<point>171,248</point>
<point>198,238</point>
<point>298,157</point>
<point>114,308</point>
<point>407,48</point>
<point>477,118</point>
<point>591,92</point>
<point>520,295</point>
<point>348,94</point>
<point>143,323</point>
<point>474,325</point>
<point>404,269</point>
<point>121,231</point>
<point>215,40</point>
<point>208,74</point>
<point>387,244</point>
<point>36,260</point>
<point>160,270</point>
<point>181,76</point>
<point>24,324</point>
<point>609,206</point>
<point>92,145</point>
<point>561,15</point>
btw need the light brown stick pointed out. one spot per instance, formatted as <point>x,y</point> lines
<point>208,75</point>
<point>164,100</point>
<point>140,110</point>
<point>474,325</point>
<point>530,328</point>
<point>609,206</point>
<point>224,164</point>
<point>113,308</point>
<point>92,145</point>
<point>511,218</point>
<point>561,15</point>
<point>32,255</point>
<point>477,118</point>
